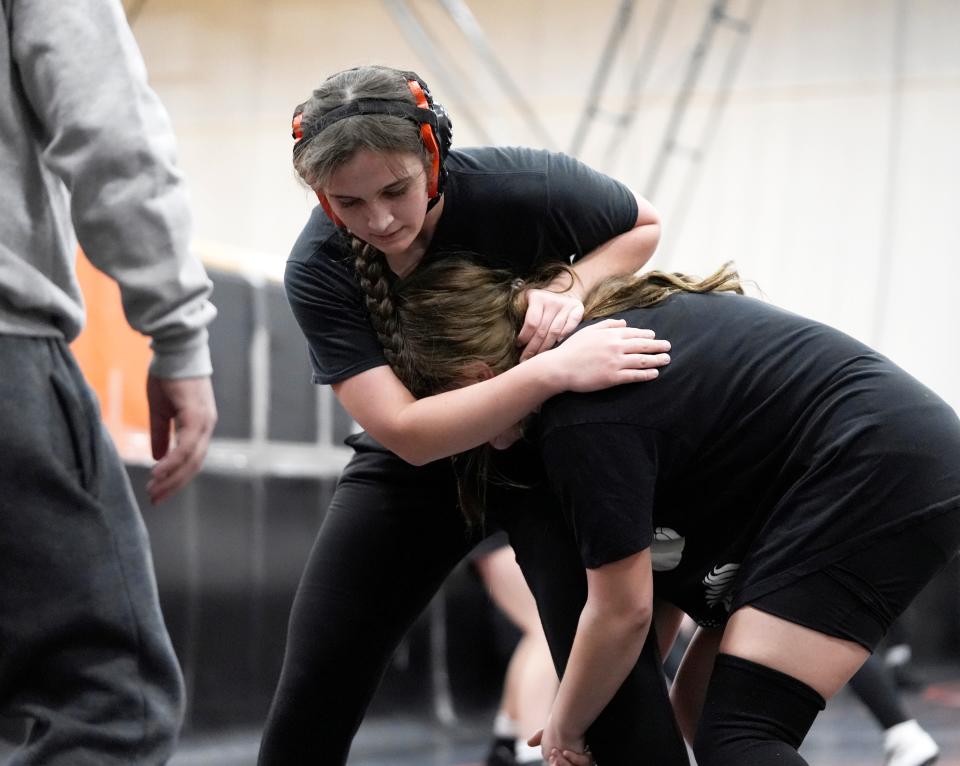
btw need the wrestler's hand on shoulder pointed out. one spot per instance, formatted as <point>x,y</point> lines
<point>608,353</point>
<point>551,317</point>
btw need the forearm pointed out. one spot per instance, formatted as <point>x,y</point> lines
<point>604,651</point>
<point>605,354</point>
<point>428,429</point>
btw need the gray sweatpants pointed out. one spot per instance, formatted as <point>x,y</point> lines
<point>84,653</point>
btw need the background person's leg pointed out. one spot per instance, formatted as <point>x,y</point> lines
<point>905,742</point>
<point>390,537</point>
<point>874,687</point>
<point>84,653</point>
<point>897,655</point>
<point>530,683</point>
<point>693,676</point>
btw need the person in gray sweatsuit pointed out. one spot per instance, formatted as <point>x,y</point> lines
<point>87,153</point>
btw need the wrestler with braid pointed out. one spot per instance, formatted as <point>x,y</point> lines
<point>394,195</point>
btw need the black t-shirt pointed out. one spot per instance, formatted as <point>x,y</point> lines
<point>769,447</point>
<point>515,208</point>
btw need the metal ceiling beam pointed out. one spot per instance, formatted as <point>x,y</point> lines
<point>742,26</point>
<point>463,17</point>
<point>643,67</point>
<point>884,269</point>
<point>621,21</point>
<point>669,146</point>
<point>439,60</point>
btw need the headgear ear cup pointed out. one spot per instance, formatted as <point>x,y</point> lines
<point>433,124</point>
<point>443,134</point>
<point>429,140</point>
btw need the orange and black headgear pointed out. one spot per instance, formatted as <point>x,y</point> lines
<point>436,130</point>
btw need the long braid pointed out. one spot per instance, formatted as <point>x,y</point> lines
<point>371,267</point>
<point>470,468</point>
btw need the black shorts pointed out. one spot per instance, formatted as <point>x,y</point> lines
<point>859,597</point>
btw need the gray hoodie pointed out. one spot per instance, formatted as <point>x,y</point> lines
<point>87,153</point>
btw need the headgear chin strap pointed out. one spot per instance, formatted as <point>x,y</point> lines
<point>436,131</point>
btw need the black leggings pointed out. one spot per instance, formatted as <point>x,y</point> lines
<point>390,537</point>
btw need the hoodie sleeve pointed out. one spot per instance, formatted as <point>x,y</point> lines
<point>106,135</point>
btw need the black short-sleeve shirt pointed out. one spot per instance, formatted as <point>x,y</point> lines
<point>770,447</point>
<point>516,208</point>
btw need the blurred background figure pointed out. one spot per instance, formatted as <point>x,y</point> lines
<point>905,742</point>
<point>898,657</point>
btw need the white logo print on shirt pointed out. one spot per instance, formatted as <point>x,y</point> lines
<point>666,549</point>
<point>718,582</point>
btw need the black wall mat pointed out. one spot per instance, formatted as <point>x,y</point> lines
<point>293,397</point>
<point>231,334</point>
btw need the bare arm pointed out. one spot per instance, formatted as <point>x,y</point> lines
<point>423,430</point>
<point>610,635</point>
<point>420,431</point>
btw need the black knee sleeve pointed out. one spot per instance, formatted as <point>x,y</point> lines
<point>753,716</point>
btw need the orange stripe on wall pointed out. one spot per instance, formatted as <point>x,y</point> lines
<point>114,358</point>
